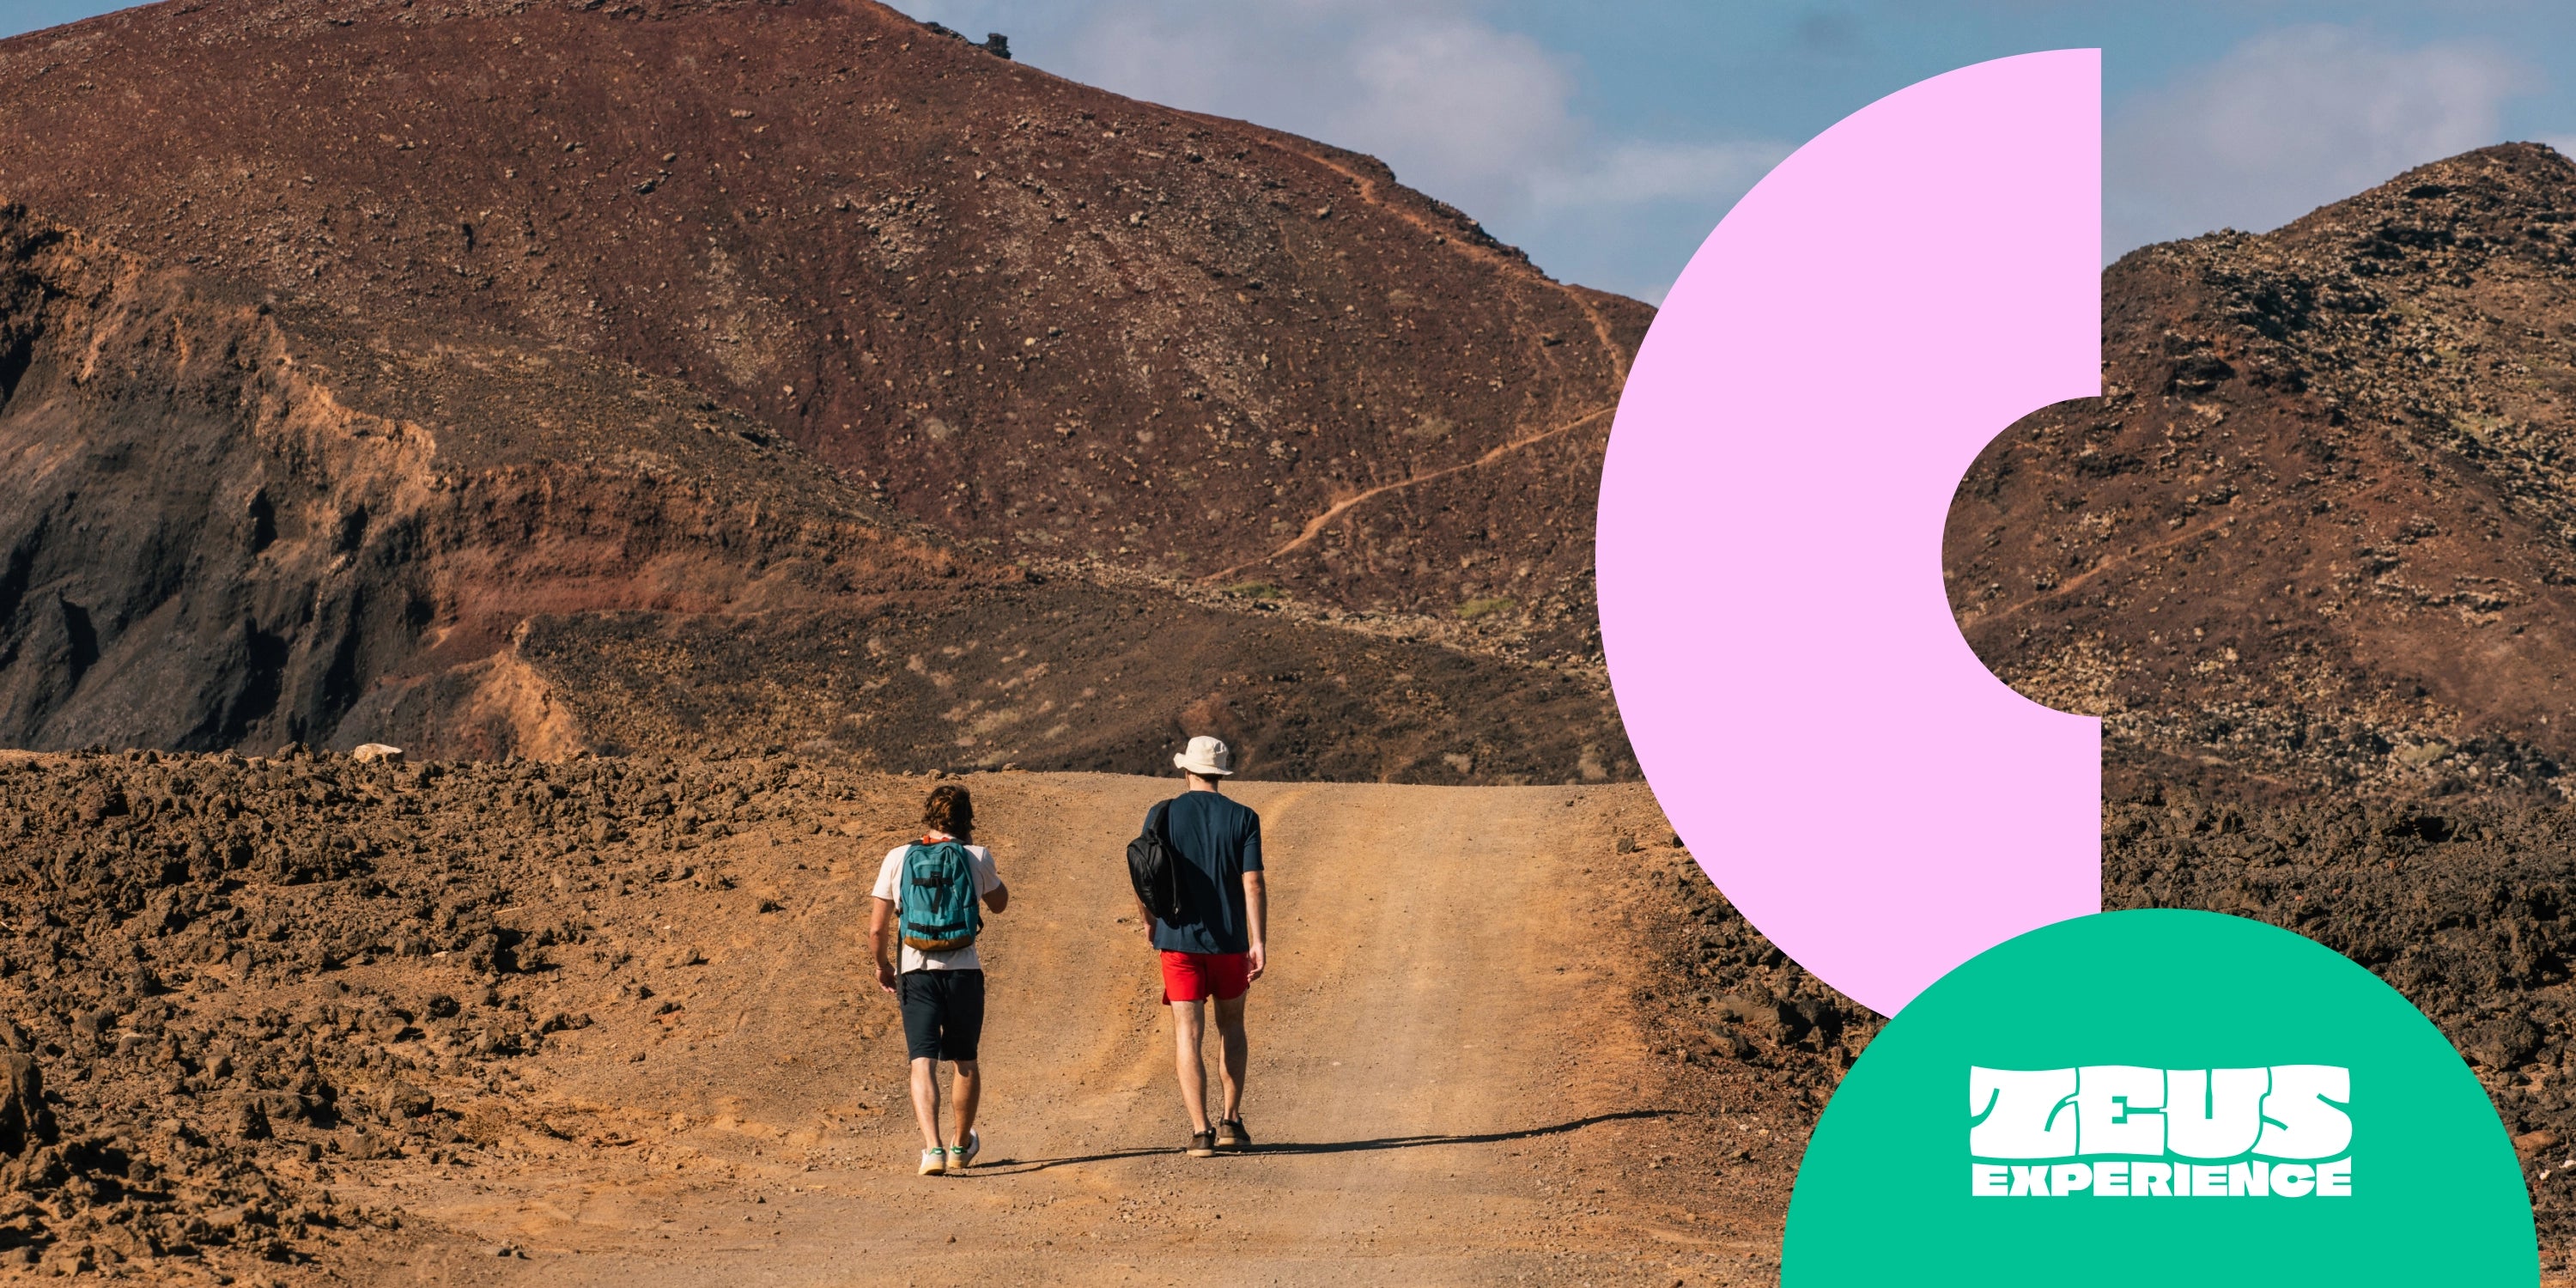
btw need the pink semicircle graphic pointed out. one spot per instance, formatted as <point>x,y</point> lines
<point>1862,323</point>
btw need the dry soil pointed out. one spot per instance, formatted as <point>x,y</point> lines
<point>1449,1084</point>
<point>603,1021</point>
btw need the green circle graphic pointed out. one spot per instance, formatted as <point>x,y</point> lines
<point>2158,1042</point>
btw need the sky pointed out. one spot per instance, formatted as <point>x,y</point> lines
<point>1608,139</point>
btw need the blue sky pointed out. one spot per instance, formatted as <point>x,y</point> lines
<point>1607,139</point>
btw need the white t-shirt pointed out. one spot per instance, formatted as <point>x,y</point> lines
<point>890,888</point>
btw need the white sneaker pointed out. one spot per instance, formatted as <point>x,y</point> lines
<point>960,1155</point>
<point>934,1161</point>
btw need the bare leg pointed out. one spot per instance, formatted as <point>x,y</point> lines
<point>1186,1029</point>
<point>970,1088</point>
<point>1238,1052</point>
<point>925,1100</point>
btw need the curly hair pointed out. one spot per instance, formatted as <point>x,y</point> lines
<point>949,810</point>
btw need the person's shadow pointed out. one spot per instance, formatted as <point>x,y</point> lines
<point>1017,1166</point>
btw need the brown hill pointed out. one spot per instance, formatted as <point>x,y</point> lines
<point>2319,528</point>
<point>229,524</point>
<point>2310,556</point>
<point>224,525</point>
<point>407,500</point>
<point>1023,311</point>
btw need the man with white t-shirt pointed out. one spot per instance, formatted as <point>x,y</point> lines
<point>941,989</point>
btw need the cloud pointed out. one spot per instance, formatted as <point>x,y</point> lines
<point>1467,105</point>
<point>2291,120</point>
<point>1634,173</point>
<point>1484,118</point>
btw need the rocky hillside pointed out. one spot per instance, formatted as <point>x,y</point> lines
<point>1033,315</point>
<point>330,427</point>
<point>231,523</point>
<point>2320,529</point>
<point>226,527</point>
<point>2313,558</point>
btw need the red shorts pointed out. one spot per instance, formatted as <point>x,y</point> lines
<point>1192,977</point>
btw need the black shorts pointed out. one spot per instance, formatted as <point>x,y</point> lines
<point>943,1013</point>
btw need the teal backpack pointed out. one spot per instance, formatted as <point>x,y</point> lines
<point>938,903</point>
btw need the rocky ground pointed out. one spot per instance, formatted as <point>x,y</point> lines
<point>237,991</point>
<point>1740,1033</point>
<point>260,1010</point>
<point>381,916</point>
<point>2462,904</point>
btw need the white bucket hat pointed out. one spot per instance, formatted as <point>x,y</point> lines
<point>1207,758</point>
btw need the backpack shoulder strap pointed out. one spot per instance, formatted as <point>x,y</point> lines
<point>902,880</point>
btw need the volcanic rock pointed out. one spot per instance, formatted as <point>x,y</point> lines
<point>24,1119</point>
<point>2320,528</point>
<point>1026,312</point>
<point>763,374</point>
<point>236,525</point>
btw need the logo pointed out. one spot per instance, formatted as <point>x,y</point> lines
<point>2127,1131</point>
<point>2236,1069</point>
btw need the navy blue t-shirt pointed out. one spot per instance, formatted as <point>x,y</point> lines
<point>1217,841</point>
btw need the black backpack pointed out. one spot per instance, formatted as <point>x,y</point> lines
<point>1155,870</point>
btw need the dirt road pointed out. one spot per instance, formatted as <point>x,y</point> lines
<point>1450,1083</point>
<point>300,1020</point>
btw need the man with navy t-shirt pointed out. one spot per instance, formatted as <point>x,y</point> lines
<point>1215,952</point>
